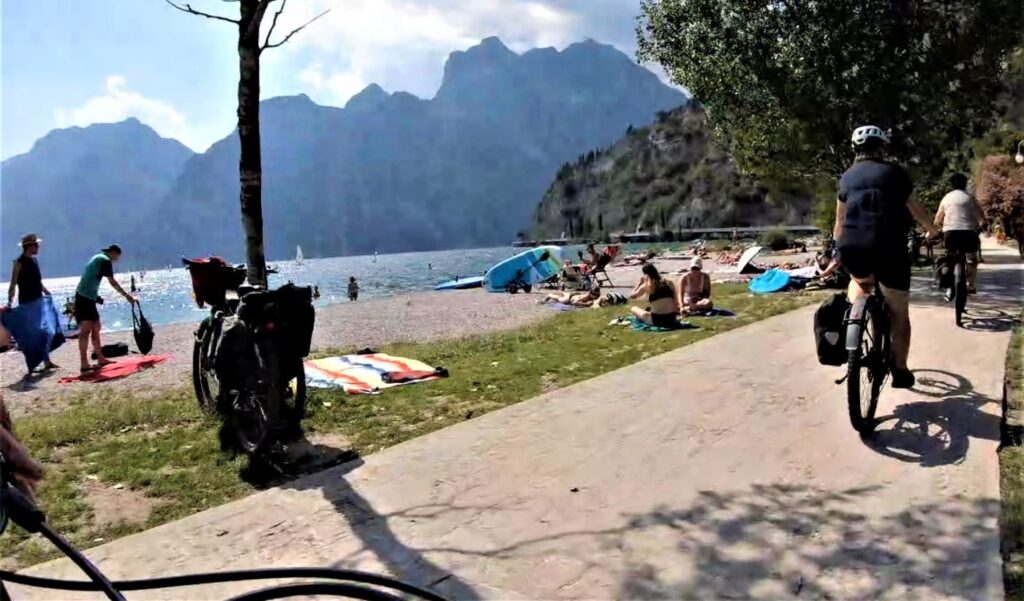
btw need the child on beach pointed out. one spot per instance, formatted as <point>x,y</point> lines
<point>353,289</point>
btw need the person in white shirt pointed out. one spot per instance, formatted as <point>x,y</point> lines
<point>959,217</point>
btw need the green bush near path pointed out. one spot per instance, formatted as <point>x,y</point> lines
<point>1011,467</point>
<point>164,452</point>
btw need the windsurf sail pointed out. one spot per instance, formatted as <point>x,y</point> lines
<point>298,254</point>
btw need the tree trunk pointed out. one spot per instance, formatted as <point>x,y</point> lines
<point>250,166</point>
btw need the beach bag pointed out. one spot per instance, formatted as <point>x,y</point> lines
<point>142,330</point>
<point>113,351</point>
<point>58,337</point>
<point>829,339</point>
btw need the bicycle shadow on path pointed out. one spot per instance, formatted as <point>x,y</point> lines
<point>936,432</point>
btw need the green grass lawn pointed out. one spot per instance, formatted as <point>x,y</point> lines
<point>166,450</point>
<point>1011,463</point>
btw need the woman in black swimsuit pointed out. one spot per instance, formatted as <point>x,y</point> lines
<point>663,311</point>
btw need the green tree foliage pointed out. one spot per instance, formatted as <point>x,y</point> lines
<point>788,80</point>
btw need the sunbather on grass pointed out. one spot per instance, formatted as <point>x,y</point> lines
<point>661,294</point>
<point>693,292</point>
<point>575,299</point>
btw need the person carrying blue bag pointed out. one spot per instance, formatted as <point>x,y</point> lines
<point>34,324</point>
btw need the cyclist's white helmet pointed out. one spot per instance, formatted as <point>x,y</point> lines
<point>866,132</point>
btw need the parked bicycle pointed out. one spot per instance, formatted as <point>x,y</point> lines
<point>247,360</point>
<point>869,344</point>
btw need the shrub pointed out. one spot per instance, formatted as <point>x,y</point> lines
<point>776,240</point>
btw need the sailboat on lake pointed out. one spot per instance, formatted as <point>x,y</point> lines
<point>299,258</point>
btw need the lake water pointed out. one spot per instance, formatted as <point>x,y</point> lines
<point>167,295</point>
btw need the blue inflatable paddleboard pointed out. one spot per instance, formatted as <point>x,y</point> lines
<point>527,268</point>
<point>773,280</point>
<point>461,284</point>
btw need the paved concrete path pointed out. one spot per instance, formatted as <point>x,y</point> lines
<point>726,469</point>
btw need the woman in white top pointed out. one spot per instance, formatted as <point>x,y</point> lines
<point>959,218</point>
<point>694,289</point>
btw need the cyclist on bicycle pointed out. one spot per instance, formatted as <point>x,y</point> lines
<point>959,218</point>
<point>874,213</point>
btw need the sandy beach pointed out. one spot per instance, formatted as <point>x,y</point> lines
<point>419,317</point>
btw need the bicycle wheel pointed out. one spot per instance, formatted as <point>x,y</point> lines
<point>204,379</point>
<point>254,417</point>
<point>959,292</point>
<point>865,374</point>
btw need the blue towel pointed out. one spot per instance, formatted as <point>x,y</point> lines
<point>34,325</point>
<point>773,280</point>
<point>716,312</point>
<point>643,326</point>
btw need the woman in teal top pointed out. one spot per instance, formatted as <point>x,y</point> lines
<point>87,296</point>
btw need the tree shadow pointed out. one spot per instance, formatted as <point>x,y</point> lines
<point>935,433</point>
<point>768,542</point>
<point>779,541</point>
<point>377,537</point>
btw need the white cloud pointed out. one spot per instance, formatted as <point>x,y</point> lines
<point>119,103</point>
<point>402,44</point>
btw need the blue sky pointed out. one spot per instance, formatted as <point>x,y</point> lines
<point>75,62</point>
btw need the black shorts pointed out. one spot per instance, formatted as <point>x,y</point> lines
<point>665,320</point>
<point>85,309</point>
<point>967,242</point>
<point>890,268</point>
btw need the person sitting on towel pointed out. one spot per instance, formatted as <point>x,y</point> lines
<point>663,309</point>
<point>694,289</point>
<point>575,299</point>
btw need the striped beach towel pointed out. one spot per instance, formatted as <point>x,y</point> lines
<point>368,374</point>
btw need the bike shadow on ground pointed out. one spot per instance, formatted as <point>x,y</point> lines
<point>936,432</point>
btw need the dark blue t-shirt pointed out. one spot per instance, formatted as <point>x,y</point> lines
<point>882,186</point>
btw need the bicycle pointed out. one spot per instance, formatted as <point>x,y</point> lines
<point>246,355</point>
<point>869,344</point>
<point>958,293</point>
<point>350,584</point>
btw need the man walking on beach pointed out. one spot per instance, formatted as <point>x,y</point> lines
<point>87,297</point>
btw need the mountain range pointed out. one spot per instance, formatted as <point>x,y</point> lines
<point>387,172</point>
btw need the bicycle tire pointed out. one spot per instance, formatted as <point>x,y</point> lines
<point>865,361</point>
<point>959,292</point>
<point>253,419</point>
<point>200,382</point>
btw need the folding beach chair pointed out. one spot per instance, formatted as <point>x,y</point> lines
<point>599,272</point>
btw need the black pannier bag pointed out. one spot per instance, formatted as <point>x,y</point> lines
<point>829,330</point>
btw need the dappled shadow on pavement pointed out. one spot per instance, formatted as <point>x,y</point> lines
<point>939,431</point>
<point>765,542</point>
<point>792,541</point>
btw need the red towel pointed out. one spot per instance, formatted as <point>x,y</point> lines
<point>121,368</point>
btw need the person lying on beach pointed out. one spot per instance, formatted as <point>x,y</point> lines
<point>574,299</point>
<point>728,258</point>
<point>639,258</point>
<point>693,292</point>
<point>663,309</point>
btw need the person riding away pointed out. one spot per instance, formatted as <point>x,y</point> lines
<point>959,218</point>
<point>663,311</point>
<point>99,266</point>
<point>693,291</point>
<point>874,213</point>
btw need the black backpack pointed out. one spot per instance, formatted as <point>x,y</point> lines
<point>829,330</point>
